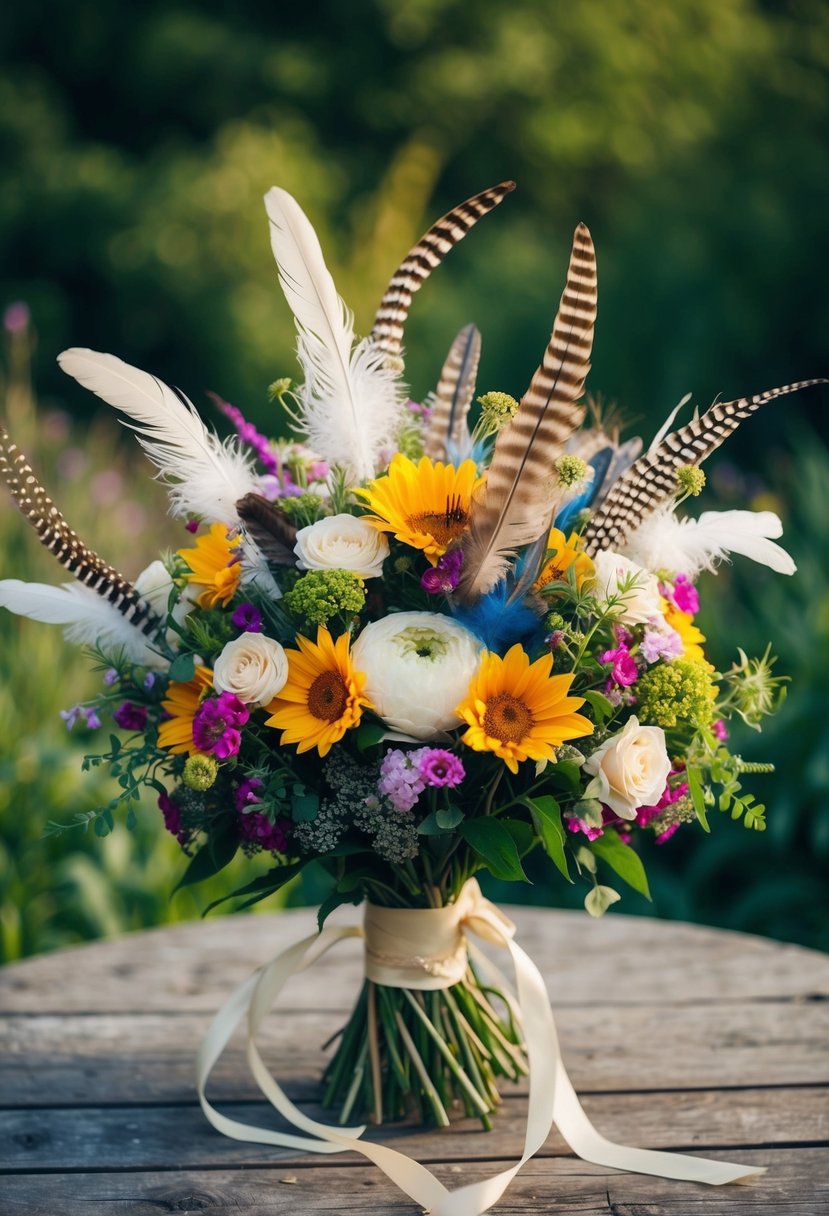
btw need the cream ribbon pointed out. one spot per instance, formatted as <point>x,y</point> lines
<point>427,949</point>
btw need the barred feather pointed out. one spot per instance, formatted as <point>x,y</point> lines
<point>270,528</point>
<point>55,533</point>
<point>519,497</point>
<point>420,261</point>
<point>652,479</point>
<point>454,393</point>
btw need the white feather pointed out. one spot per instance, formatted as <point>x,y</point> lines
<point>667,424</point>
<point>351,401</point>
<point>88,618</point>
<point>689,546</point>
<point>205,476</point>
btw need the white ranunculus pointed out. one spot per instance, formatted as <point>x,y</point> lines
<point>342,542</point>
<point>630,769</point>
<point>154,586</point>
<point>253,667</point>
<point>640,600</point>
<point>419,666</point>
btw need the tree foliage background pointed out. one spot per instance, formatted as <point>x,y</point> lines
<point>137,141</point>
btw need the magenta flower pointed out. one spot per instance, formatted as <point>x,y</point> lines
<point>624,670</point>
<point>131,717</point>
<point>248,434</point>
<point>247,793</point>
<point>216,725</point>
<point>444,576</point>
<point>439,768</point>
<point>682,594</point>
<point>247,619</point>
<point>192,526</point>
<point>172,818</point>
<point>272,837</point>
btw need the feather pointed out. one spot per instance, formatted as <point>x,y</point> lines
<point>520,494</point>
<point>270,528</point>
<point>206,477</point>
<point>688,546</point>
<point>351,401</point>
<point>498,618</point>
<point>87,617</point>
<point>420,261</point>
<point>65,544</point>
<point>652,479</point>
<point>453,396</point>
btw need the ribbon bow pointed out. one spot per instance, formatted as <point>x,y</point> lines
<point>424,948</point>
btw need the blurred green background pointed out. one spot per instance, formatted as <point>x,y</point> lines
<point>137,141</point>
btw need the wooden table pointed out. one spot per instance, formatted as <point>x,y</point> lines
<point>675,1037</point>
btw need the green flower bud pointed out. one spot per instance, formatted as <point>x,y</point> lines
<point>321,594</point>
<point>200,772</point>
<point>690,480</point>
<point>279,388</point>
<point>571,470</point>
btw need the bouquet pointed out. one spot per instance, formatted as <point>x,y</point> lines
<point>416,641</point>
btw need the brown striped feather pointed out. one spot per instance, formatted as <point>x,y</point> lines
<point>270,527</point>
<point>421,260</point>
<point>453,395</point>
<point>652,479</point>
<point>57,536</point>
<point>519,496</point>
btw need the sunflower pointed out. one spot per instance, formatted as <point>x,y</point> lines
<point>214,565</point>
<point>520,711</point>
<point>323,697</point>
<point>561,555</point>
<point>182,703</point>
<point>692,637</point>
<point>425,505</point>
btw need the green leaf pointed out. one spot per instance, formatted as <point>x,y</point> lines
<point>115,744</point>
<point>695,789</point>
<point>449,817</point>
<point>565,773</point>
<point>602,708</point>
<point>599,900</point>
<point>492,842</point>
<point>546,816</point>
<point>585,859</point>
<point>369,734</point>
<point>217,852</point>
<point>622,860</point>
<point>522,834</point>
<point>335,900</point>
<point>304,807</point>
<point>183,668</point>
<point>430,826</point>
<point>261,887</point>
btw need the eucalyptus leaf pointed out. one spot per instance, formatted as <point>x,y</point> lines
<point>599,900</point>
<point>448,817</point>
<point>183,668</point>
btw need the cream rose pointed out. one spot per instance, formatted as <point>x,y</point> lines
<point>637,590</point>
<point>154,585</point>
<point>418,667</point>
<point>253,667</point>
<point>630,769</point>
<point>342,542</point>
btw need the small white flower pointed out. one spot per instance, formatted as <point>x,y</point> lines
<point>630,769</point>
<point>252,667</point>
<point>636,590</point>
<point>418,666</point>
<point>342,542</point>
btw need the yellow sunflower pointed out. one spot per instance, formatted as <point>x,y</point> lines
<point>323,697</point>
<point>425,505</point>
<point>692,637</point>
<point>214,565</point>
<point>182,702</point>
<point>520,711</point>
<point>562,554</point>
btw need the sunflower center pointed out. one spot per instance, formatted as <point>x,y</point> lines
<point>328,696</point>
<point>443,526</point>
<point>507,719</point>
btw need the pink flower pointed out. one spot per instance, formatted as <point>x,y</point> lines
<point>216,725</point>
<point>439,768</point>
<point>400,780</point>
<point>682,594</point>
<point>660,645</point>
<point>720,730</point>
<point>624,671</point>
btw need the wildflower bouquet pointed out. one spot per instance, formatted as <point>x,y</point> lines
<point>410,647</point>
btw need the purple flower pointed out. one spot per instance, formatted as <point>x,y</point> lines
<point>16,318</point>
<point>172,817</point>
<point>131,717</point>
<point>247,793</point>
<point>272,837</point>
<point>192,526</point>
<point>439,768</point>
<point>400,780</point>
<point>248,433</point>
<point>88,716</point>
<point>247,619</point>
<point>92,719</point>
<point>216,725</point>
<point>149,680</point>
<point>444,576</point>
<point>624,671</point>
<point>656,645</point>
<point>110,677</point>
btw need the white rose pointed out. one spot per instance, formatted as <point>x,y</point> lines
<point>640,601</point>
<point>342,542</point>
<point>418,666</point>
<point>254,668</point>
<point>630,769</point>
<point>154,586</point>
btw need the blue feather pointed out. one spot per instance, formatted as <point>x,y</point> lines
<point>496,621</point>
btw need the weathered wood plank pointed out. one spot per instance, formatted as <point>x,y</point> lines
<point>623,959</point>
<point>98,1059</point>
<point>795,1186</point>
<point>179,1137</point>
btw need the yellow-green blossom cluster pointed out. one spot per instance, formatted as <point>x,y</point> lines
<point>670,693</point>
<point>200,772</point>
<point>496,411</point>
<point>691,480</point>
<point>322,594</point>
<point>571,470</point>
